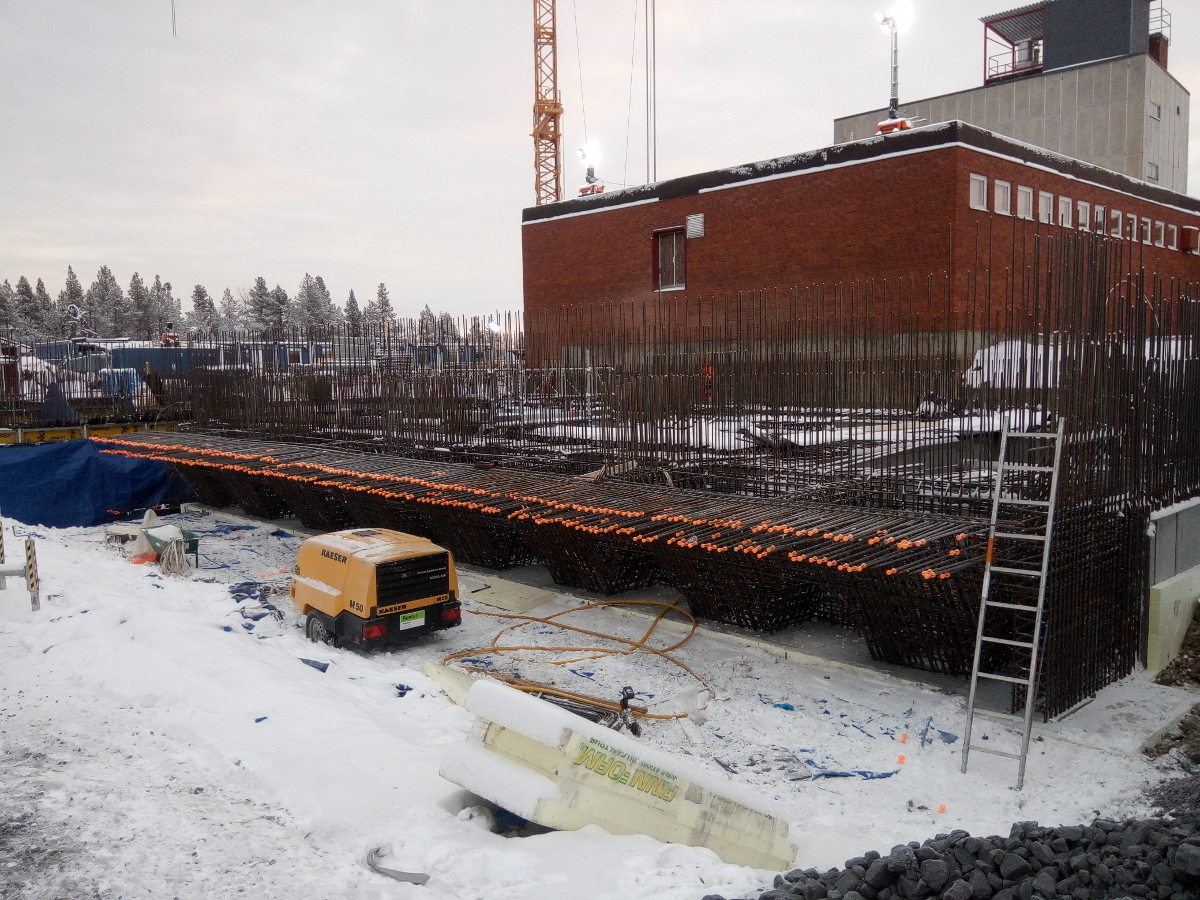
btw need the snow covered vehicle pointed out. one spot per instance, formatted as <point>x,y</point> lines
<point>370,586</point>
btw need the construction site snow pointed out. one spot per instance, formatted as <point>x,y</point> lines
<point>166,737</point>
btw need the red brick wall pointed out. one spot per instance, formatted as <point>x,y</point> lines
<point>881,220</point>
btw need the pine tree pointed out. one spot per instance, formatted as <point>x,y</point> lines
<point>426,326</point>
<point>331,315</point>
<point>279,309</point>
<point>105,307</point>
<point>379,311</point>
<point>447,329</point>
<point>45,309</point>
<point>204,315</point>
<point>70,303</point>
<point>141,314</point>
<point>354,316</point>
<point>258,304</point>
<point>67,306</point>
<point>312,306</point>
<point>233,311</point>
<point>7,303</point>
<point>24,306</point>
<point>164,307</point>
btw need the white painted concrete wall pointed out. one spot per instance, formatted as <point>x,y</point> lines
<point>1172,606</point>
<point>1096,113</point>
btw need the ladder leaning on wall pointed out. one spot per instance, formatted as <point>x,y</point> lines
<point>1014,580</point>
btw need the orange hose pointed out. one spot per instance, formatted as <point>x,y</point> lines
<point>601,652</point>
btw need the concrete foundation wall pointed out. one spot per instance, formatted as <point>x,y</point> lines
<point>1172,606</point>
<point>1175,583</point>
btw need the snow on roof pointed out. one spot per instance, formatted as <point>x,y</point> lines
<point>926,137</point>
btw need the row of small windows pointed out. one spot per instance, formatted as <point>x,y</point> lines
<point>1072,214</point>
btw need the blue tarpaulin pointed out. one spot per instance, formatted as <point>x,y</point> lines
<point>74,484</point>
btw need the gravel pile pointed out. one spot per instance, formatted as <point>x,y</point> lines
<point>1152,858</point>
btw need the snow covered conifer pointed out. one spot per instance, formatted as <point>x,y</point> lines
<point>354,316</point>
<point>204,314</point>
<point>44,305</point>
<point>23,305</point>
<point>7,300</point>
<point>258,304</point>
<point>142,316</point>
<point>105,307</point>
<point>165,306</point>
<point>232,311</point>
<point>70,300</point>
<point>384,305</point>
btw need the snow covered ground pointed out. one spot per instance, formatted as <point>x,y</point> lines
<point>161,737</point>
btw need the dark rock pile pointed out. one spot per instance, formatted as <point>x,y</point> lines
<point>1152,858</point>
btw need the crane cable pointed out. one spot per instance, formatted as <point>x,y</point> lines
<point>639,645</point>
<point>579,67</point>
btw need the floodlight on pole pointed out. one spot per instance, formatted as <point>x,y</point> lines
<point>889,23</point>
<point>493,326</point>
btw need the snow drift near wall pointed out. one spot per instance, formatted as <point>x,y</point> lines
<point>73,484</point>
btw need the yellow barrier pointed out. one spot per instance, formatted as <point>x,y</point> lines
<point>77,432</point>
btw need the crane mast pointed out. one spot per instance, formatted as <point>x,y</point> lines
<point>547,105</point>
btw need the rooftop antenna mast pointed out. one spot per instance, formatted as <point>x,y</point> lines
<point>547,106</point>
<point>651,93</point>
<point>888,22</point>
<point>173,34</point>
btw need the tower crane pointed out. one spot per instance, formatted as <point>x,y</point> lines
<point>547,106</point>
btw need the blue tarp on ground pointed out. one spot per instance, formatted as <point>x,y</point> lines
<point>74,484</point>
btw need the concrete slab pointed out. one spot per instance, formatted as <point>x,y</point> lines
<point>500,593</point>
<point>1124,717</point>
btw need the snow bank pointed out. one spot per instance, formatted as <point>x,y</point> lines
<point>504,782</point>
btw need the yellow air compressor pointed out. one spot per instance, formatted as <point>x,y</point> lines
<point>370,586</point>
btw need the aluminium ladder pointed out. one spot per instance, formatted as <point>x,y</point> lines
<point>1020,578</point>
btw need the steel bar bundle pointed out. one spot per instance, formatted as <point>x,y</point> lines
<point>782,556</point>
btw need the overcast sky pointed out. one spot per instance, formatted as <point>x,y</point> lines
<point>388,140</point>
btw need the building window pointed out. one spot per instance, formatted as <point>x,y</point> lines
<point>694,225</point>
<point>1131,229</point>
<point>1116,221</point>
<point>1155,110</point>
<point>671,259</point>
<point>1045,208</point>
<point>1145,231</point>
<point>1084,215</point>
<point>1152,171</point>
<point>1024,202</point>
<point>1003,198</point>
<point>1100,217</point>
<point>1064,211</point>
<point>978,192</point>
<point>1160,234</point>
<point>1172,237</point>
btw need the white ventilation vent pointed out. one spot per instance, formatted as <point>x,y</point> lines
<point>695,225</point>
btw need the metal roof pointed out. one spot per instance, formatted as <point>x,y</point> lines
<point>1025,23</point>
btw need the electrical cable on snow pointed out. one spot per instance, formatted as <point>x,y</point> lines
<point>597,652</point>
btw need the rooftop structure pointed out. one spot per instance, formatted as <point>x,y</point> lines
<point>1084,78</point>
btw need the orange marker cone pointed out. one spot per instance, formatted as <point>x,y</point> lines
<point>942,808</point>
<point>904,738</point>
<point>900,759</point>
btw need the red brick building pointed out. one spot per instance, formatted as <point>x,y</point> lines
<point>946,201</point>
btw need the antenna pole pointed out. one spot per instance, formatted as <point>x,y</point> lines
<point>894,102</point>
<point>651,93</point>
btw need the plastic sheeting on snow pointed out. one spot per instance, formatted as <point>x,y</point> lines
<point>74,484</point>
